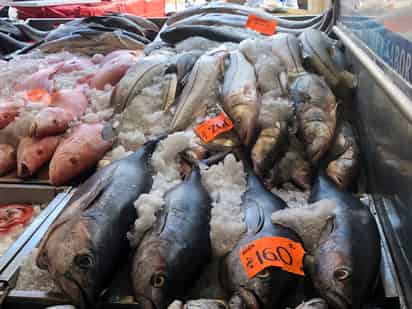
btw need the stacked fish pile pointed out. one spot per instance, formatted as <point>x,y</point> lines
<point>96,34</point>
<point>44,116</point>
<point>271,101</point>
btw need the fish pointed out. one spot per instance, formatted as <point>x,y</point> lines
<point>268,287</point>
<point>315,303</point>
<point>342,244</point>
<point>8,161</point>
<point>42,79</point>
<point>75,64</point>
<point>201,88</point>
<point>141,21</point>
<point>78,250</point>
<point>240,96</point>
<point>287,47</point>
<point>344,164</point>
<point>172,254</point>
<point>112,71</point>
<point>176,34</point>
<point>80,151</point>
<point>31,33</point>
<point>272,140</point>
<point>293,167</point>
<point>271,72</point>
<point>8,27</point>
<point>118,53</point>
<point>9,45</point>
<point>316,114</point>
<point>114,21</point>
<point>318,50</point>
<point>91,42</point>
<point>66,106</point>
<point>8,112</point>
<point>136,78</point>
<point>33,153</point>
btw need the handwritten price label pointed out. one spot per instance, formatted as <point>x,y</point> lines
<point>272,252</point>
<point>261,25</point>
<point>213,127</point>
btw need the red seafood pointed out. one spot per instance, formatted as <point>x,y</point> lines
<point>7,159</point>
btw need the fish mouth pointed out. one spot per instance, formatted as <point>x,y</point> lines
<point>83,300</point>
<point>337,301</point>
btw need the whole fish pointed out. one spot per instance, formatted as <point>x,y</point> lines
<point>112,71</point>
<point>201,88</point>
<point>114,21</point>
<point>318,51</point>
<point>79,152</point>
<point>78,250</point>
<point>270,70</point>
<point>92,42</point>
<point>272,141</point>
<point>316,114</point>
<point>240,97</point>
<point>8,112</point>
<point>172,254</point>
<point>267,288</point>
<point>316,303</point>
<point>136,78</point>
<point>286,46</point>
<point>66,106</point>
<point>8,161</point>
<point>33,153</point>
<point>345,156</point>
<point>176,34</point>
<point>342,242</point>
<point>138,20</point>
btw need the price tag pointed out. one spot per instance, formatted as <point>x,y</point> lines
<point>272,252</point>
<point>37,95</point>
<point>213,127</point>
<point>261,25</point>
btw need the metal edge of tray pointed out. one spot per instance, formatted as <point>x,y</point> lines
<point>11,252</point>
<point>8,275</point>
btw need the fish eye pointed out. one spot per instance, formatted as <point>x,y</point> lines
<point>263,274</point>
<point>158,280</point>
<point>342,273</point>
<point>84,261</point>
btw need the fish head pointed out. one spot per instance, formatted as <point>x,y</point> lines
<point>151,279</point>
<point>69,257</point>
<point>317,128</point>
<point>245,117</point>
<point>49,121</point>
<point>332,268</point>
<point>341,172</point>
<point>301,174</point>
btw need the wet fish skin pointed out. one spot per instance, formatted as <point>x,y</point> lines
<point>195,43</point>
<point>316,113</point>
<point>31,33</point>
<point>172,254</point>
<point>78,248</point>
<point>269,286</point>
<point>66,106</point>
<point>240,96</point>
<point>33,153</point>
<point>8,160</point>
<point>8,112</point>
<point>343,247</point>
<point>79,152</point>
<point>9,45</point>
<point>42,79</point>
<point>346,157</point>
<point>202,84</point>
<point>176,34</point>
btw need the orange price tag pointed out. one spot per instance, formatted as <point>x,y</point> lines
<point>39,94</point>
<point>213,127</point>
<point>264,26</point>
<point>272,252</point>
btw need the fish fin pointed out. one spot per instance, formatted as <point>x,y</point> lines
<point>309,222</point>
<point>80,201</point>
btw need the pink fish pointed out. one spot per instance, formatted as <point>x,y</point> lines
<point>33,153</point>
<point>41,79</point>
<point>79,152</point>
<point>66,106</point>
